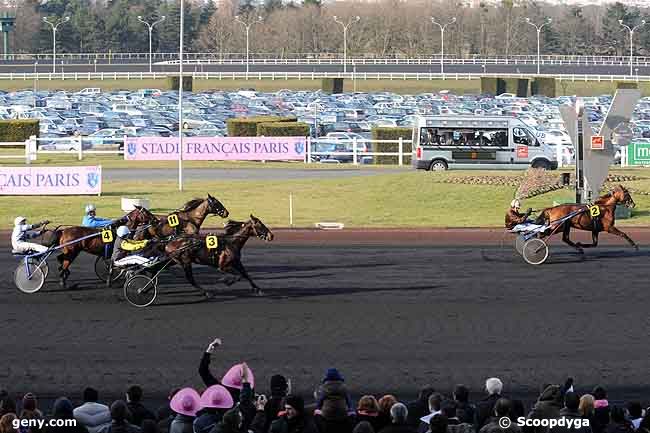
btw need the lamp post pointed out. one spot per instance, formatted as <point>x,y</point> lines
<point>442,41</point>
<point>150,26</point>
<point>631,30</point>
<point>180,102</point>
<point>247,25</point>
<point>345,38</point>
<point>539,32</point>
<point>54,27</point>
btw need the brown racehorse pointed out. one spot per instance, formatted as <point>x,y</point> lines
<point>226,257</point>
<point>92,243</point>
<point>583,220</point>
<point>190,219</point>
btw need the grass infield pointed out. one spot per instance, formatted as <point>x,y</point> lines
<point>403,199</point>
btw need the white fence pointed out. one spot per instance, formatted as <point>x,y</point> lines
<point>357,150</point>
<point>353,75</point>
<point>78,146</point>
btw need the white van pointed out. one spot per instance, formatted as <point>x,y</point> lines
<point>482,142</point>
<point>131,110</point>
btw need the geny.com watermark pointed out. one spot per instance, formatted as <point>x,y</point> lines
<point>40,424</point>
<point>570,423</point>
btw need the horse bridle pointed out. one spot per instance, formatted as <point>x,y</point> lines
<point>212,202</point>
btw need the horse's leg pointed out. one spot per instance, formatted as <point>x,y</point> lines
<point>239,267</point>
<point>187,268</point>
<point>66,260</point>
<point>613,230</point>
<point>565,237</point>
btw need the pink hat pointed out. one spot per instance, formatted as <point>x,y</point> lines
<point>217,397</point>
<point>186,402</point>
<point>232,379</point>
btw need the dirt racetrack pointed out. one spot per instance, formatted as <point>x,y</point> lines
<point>391,315</point>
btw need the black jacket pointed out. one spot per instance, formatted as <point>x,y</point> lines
<point>548,406</point>
<point>485,410</point>
<point>416,410</point>
<point>375,421</point>
<point>139,413</point>
<point>570,415</point>
<point>334,425</point>
<point>398,428</point>
<point>466,412</point>
<point>614,427</point>
<point>494,427</point>
<point>297,425</point>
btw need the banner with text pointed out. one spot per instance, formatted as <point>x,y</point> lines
<point>51,180</point>
<point>215,148</point>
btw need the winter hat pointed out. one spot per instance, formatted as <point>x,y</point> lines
<point>232,379</point>
<point>29,401</point>
<point>186,402</point>
<point>279,385</point>
<point>333,375</point>
<point>216,397</point>
<point>63,408</point>
<point>295,402</point>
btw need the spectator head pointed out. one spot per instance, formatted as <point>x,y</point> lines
<point>333,375</point>
<point>386,402</point>
<point>279,386</point>
<point>599,393</point>
<point>635,409</point>
<point>119,412</point>
<point>63,408</point>
<point>448,408</point>
<point>435,400</point>
<point>216,397</point>
<point>90,395</point>
<point>29,402</point>
<point>571,401</point>
<point>7,423</point>
<point>7,405</point>
<point>368,404</point>
<point>398,413</point>
<point>502,407</point>
<point>461,393</point>
<point>586,407</point>
<point>618,414</point>
<point>294,406</point>
<point>493,386</point>
<point>438,424</point>
<point>363,427</point>
<point>186,402</point>
<point>149,426</point>
<point>134,394</point>
<point>233,377</point>
<point>425,393</point>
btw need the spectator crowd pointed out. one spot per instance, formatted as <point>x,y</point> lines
<point>230,405</point>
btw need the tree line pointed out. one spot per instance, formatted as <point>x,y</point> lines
<point>387,28</point>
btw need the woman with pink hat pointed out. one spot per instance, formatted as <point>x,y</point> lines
<point>215,401</point>
<point>239,381</point>
<point>185,404</point>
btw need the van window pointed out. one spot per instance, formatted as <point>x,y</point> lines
<point>491,137</point>
<point>524,137</point>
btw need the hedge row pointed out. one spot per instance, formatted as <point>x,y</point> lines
<point>188,83</point>
<point>18,129</point>
<point>382,133</point>
<point>283,129</point>
<point>247,126</point>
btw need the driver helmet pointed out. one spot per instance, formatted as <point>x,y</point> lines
<point>123,231</point>
<point>515,204</point>
<point>90,208</point>
<point>19,220</point>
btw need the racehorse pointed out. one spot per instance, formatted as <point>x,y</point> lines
<point>583,220</point>
<point>93,243</point>
<point>190,218</point>
<point>226,257</point>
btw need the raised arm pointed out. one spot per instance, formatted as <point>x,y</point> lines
<point>204,366</point>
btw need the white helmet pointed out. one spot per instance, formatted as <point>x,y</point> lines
<point>123,231</point>
<point>19,220</point>
<point>90,208</point>
<point>515,204</point>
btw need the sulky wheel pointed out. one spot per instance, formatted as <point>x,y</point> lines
<point>28,278</point>
<point>141,290</point>
<point>45,268</point>
<point>535,251</point>
<point>519,244</point>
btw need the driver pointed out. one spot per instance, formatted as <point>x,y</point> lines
<point>514,217</point>
<point>130,252</point>
<point>22,232</point>
<point>92,220</point>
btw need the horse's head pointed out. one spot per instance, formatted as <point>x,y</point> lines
<point>216,207</point>
<point>622,195</point>
<point>260,230</point>
<point>139,216</point>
